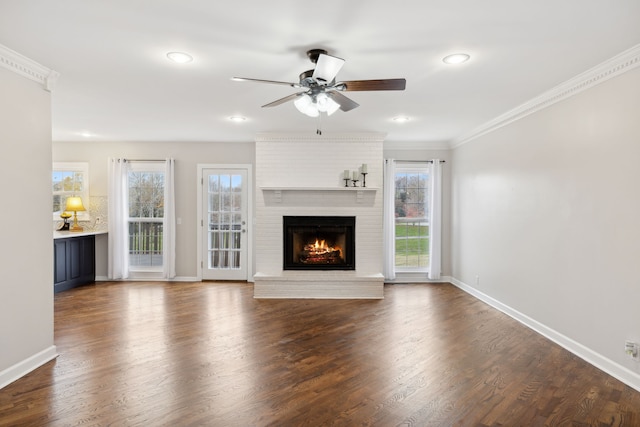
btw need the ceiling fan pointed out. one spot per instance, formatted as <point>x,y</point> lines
<point>321,93</point>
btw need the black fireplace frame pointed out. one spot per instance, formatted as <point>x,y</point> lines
<point>288,222</point>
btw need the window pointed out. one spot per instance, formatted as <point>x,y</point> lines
<point>70,179</point>
<point>412,217</point>
<point>145,184</point>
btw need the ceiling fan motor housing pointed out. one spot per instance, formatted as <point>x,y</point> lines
<point>313,54</point>
<point>306,78</point>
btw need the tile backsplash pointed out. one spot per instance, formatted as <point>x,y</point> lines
<point>98,208</point>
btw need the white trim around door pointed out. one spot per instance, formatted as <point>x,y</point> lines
<point>248,169</point>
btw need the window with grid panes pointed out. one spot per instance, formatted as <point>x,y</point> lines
<point>70,179</point>
<point>412,217</point>
<point>145,183</point>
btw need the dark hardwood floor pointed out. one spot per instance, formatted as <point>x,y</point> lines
<point>183,354</point>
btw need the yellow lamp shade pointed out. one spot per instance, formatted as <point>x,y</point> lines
<point>74,204</point>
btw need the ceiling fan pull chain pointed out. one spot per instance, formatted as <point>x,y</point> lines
<point>319,127</point>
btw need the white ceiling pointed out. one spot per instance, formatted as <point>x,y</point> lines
<point>117,84</point>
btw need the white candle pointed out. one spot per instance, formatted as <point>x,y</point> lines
<point>364,168</point>
<point>355,175</point>
<point>346,174</point>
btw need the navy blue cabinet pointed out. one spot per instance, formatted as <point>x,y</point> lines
<point>74,262</point>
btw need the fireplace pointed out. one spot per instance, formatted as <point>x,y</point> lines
<point>319,243</point>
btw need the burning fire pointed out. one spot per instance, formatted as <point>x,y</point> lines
<point>320,247</point>
<point>319,252</point>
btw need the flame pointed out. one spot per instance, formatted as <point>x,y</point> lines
<point>321,247</point>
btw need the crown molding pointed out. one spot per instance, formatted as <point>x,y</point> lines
<point>615,66</point>
<point>416,145</point>
<point>28,68</point>
<point>325,137</point>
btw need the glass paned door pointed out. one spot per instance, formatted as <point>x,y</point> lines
<point>224,224</point>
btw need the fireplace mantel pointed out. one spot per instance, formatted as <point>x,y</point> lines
<point>319,188</point>
<point>277,191</point>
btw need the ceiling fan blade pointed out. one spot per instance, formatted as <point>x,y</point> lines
<point>245,79</point>
<point>384,84</point>
<point>283,100</point>
<point>327,67</point>
<point>346,104</point>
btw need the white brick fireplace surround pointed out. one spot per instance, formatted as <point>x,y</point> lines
<point>302,175</point>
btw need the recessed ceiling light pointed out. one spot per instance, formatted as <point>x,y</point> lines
<point>179,57</point>
<point>456,58</point>
<point>86,134</point>
<point>237,119</point>
<point>401,119</point>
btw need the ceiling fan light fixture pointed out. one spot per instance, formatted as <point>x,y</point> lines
<point>180,57</point>
<point>456,58</point>
<point>312,111</point>
<point>332,106</point>
<point>325,103</point>
<point>302,102</point>
<point>321,102</point>
<point>305,105</point>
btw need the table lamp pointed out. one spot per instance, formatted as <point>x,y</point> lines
<point>74,204</point>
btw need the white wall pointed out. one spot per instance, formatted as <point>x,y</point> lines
<point>26,288</point>
<point>187,155</point>
<point>546,214</point>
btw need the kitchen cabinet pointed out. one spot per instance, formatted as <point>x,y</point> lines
<point>74,262</point>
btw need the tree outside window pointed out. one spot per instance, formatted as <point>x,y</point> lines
<point>146,216</point>
<point>69,179</point>
<point>412,218</point>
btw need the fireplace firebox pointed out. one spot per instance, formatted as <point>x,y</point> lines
<point>319,243</point>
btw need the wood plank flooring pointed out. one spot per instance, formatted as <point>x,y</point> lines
<point>191,354</point>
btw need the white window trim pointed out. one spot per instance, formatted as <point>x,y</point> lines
<point>414,168</point>
<point>79,167</point>
<point>141,272</point>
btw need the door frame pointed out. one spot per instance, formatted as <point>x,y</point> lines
<point>200,220</point>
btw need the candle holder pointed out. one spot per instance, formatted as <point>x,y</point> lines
<point>364,179</point>
<point>346,182</point>
<point>354,181</point>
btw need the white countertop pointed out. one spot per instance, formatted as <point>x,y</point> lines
<point>66,234</point>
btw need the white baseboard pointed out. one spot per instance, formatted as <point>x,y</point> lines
<point>175,279</point>
<point>612,368</point>
<point>22,368</point>
<point>406,278</point>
